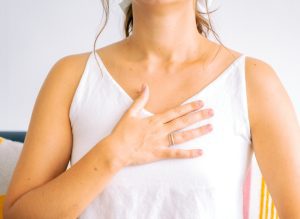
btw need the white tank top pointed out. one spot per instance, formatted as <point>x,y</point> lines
<point>205,187</point>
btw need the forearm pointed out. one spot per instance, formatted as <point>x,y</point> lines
<point>69,194</point>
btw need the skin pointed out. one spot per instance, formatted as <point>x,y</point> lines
<point>166,51</point>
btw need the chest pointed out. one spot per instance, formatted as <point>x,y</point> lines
<point>226,149</point>
<point>168,87</point>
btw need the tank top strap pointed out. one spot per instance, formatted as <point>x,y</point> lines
<point>243,122</point>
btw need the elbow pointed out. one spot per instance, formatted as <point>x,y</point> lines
<point>7,210</point>
<point>7,213</point>
<point>20,210</point>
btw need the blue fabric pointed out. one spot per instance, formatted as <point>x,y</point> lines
<point>13,135</point>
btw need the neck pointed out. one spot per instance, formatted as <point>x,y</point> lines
<point>166,31</point>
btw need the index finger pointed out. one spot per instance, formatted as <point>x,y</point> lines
<point>179,111</point>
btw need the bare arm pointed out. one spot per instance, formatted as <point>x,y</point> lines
<point>40,187</point>
<point>276,136</point>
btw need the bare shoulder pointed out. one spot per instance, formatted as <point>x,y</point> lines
<point>264,89</point>
<point>71,66</point>
<point>72,62</point>
<point>67,71</point>
<point>260,73</point>
<point>259,69</point>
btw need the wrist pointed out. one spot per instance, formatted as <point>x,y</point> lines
<point>108,153</point>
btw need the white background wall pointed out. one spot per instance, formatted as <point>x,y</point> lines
<point>35,34</point>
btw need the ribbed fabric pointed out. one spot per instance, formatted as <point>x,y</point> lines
<point>205,187</point>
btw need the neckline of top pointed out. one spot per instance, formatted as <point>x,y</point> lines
<point>205,88</point>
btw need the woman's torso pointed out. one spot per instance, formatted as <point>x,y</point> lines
<point>209,186</point>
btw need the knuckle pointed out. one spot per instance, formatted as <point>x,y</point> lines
<point>205,129</point>
<point>193,153</point>
<point>201,115</point>
<point>163,130</point>
<point>196,105</point>
<point>200,131</point>
<point>196,132</point>
<point>168,127</point>
<point>187,134</point>
<point>170,153</point>
<point>153,120</point>
<point>185,119</point>
<point>173,153</point>
<point>177,153</point>
<point>158,117</point>
<point>192,106</point>
<point>162,153</point>
<point>188,153</point>
<point>177,110</point>
<point>171,126</point>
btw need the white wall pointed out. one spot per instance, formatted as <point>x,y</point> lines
<point>35,34</point>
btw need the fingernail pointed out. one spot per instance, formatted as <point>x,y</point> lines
<point>199,102</point>
<point>209,127</point>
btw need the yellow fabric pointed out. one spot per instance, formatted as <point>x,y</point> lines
<point>1,140</point>
<point>1,205</point>
<point>267,207</point>
<point>1,196</point>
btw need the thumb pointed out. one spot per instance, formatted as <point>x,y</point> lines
<point>141,100</point>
